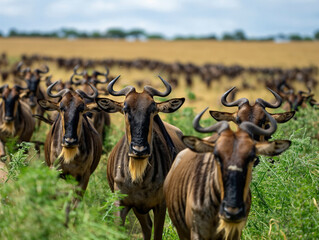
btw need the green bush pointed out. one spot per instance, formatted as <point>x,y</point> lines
<point>34,200</point>
<point>284,191</point>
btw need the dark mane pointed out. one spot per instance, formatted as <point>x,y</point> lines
<point>167,137</point>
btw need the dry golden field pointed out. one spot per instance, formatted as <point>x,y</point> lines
<point>244,53</point>
<point>261,54</point>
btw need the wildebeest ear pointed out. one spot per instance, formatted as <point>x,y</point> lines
<point>92,107</point>
<point>170,105</point>
<point>198,145</point>
<point>221,116</point>
<point>48,105</point>
<point>283,117</point>
<point>109,105</point>
<point>272,148</point>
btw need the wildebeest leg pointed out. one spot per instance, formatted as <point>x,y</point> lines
<point>83,183</point>
<point>146,224</point>
<point>123,212</point>
<point>80,190</point>
<point>159,219</point>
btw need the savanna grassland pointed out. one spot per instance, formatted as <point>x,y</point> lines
<point>256,54</point>
<point>285,188</point>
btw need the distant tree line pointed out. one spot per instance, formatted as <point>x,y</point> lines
<point>118,33</point>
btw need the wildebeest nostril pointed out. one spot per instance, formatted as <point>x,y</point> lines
<point>232,210</point>
<point>69,141</point>
<point>139,148</point>
<point>7,118</point>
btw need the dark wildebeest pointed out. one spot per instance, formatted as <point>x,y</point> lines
<point>207,189</point>
<point>33,78</point>
<point>15,117</point>
<point>140,161</point>
<point>251,113</point>
<point>72,139</point>
<point>100,119</point>
<point>294,101</point>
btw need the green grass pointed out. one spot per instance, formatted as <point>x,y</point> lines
<point>285,192</point>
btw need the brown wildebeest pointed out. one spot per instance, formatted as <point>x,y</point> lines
<point>140,161</point>
<point>251,113</point>
<point>33,78</point>
<point>100,119</point>
<point>72,139</point>
<point>207,189</point>
<point>15,117</point>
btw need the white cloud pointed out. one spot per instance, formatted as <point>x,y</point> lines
<point>15,8</point>
<point>91,8</point>
<point>169,17</point>
<point>217,4</point>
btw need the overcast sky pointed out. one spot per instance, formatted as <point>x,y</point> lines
<point>169,17</point>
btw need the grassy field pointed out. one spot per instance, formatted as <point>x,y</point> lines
<point>284,189</point>
<point>262,54</point>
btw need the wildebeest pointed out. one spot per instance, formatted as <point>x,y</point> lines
<point>100,119</point>
<point>33,78</point>
<point>251,113</point>
<point>294,101</point>
<point>207,189</point>
<point>15,117</point>
<point>140,161</point>
<point>72,140</point>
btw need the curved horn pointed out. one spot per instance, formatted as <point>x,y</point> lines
<point>107,71</point>
<point>38,71</point>
<point>3,87</point>
<point>155,92</point>
<point>238,102</point>
<point>76,73</point>
<point>269,105</point>
<point>18,68</point>
<point>256,130</point>
<point>59,94</point>
<point>101,74</point>
<point>122,92</point>
<point>217,127</point>
<point>85,95</point>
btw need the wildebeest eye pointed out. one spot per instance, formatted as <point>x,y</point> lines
<point>62,107</point>
<point>238,121</point>
<point>81,108</point>
<point>125,109</point>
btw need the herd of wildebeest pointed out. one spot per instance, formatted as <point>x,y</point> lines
<point>204,183</point>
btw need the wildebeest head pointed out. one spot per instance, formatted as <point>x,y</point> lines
<point>234,157</point>
<point>10,97</point>
<point>299,99</point>
<point>139,110</point>
<point>251,113</point>
<point>72,107</point>
<point>94,78</point>
<point>33,78</point>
